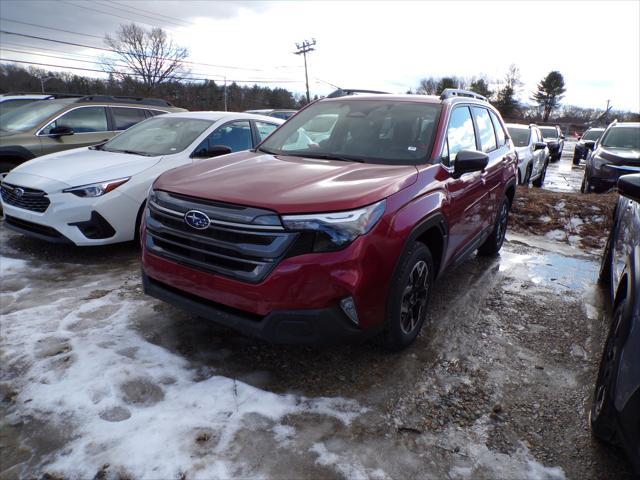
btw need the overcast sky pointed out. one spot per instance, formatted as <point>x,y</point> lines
<point>374,45</point>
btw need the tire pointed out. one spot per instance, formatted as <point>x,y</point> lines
<point>527,177</point>
<point>586,185</point>
<point>604,277</point>
<point>493,244</point>
<point>136,237</point>
<point>409,298</point>
<point>576,159</point>
<point>601,416</point>
<point>538,182</point>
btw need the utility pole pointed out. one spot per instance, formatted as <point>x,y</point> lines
<point>44,79</point>
<point>225,93</point>
<point>303,48</point>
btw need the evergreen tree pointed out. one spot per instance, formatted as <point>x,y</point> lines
<point>549,92</point>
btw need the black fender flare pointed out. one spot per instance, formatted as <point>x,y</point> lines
<point>435,219</point>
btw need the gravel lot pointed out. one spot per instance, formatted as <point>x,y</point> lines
<point>98,380</point>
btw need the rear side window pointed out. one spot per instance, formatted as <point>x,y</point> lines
<point>500,136</point>
<point>265,129</point>
<point>82,120</point>
<point>127,117</point>
<point>485,129</point>
<point>156,112</point>
<point>460,135</point>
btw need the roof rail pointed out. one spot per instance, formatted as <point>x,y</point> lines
<point>458,92</point>
<point>121,99</point>
<point>48,94</point>
<point>343,92</point>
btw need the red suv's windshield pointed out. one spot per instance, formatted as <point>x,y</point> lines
<point>372,131</point>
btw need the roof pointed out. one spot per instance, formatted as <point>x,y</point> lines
<point>626,124</point>
<point>217,115</point>
<point>388,97</point>
<point>517,125</point>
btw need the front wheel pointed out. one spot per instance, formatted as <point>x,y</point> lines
<point>602,408</point>
<point>409,298</point>
<point>576,159</point>
<point>493,244</point>
<point>586,185</point>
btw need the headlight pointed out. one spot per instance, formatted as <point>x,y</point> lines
<point>334,231</point>
<point>96,189</point>
<point>597,162</point>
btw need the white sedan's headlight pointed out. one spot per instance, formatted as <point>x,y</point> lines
<point>336,230</point>
<point>96,189</point>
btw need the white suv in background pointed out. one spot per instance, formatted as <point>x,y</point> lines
<point>95,195</point>
<point>532,152</point>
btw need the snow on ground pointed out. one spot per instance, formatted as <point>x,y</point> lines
<point>73,353</point>
<point>127,399</point>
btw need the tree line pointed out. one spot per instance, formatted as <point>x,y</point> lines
<point>147,63</point>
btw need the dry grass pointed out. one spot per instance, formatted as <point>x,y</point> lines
<point>539,212</point>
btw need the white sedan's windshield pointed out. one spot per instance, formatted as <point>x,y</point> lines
<point>158,136</point>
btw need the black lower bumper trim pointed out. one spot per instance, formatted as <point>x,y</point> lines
<point>35,230</point>
<point>299,327</point>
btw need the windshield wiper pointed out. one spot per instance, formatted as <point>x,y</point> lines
<point>131,152</point>
<point>331,156</point>
<point>262,149</point>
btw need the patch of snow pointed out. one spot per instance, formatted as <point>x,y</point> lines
<point>348,466</point>
<point>560,206</point>
<point>574,223</point>
<point>130,403</point>
<point>558,235</point>
<point>11,265</point>
<point>545,218</point>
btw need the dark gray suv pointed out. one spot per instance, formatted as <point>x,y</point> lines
<point>615,413</point>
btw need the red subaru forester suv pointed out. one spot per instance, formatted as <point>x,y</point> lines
<point>336,227</point>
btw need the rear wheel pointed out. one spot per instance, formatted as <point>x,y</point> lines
<point>409,298</point>
<point>538,182</point>
<point>527,177</point>
<point>602,409</point>
<point>493,244</point>
<point>586,185</point>
<point>576,158</point>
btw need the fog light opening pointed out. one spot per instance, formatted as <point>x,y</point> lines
<point>348,306</point>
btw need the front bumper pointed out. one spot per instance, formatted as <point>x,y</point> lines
<point>302,327</point>
<point>71,219</point>
<point>605,175</point>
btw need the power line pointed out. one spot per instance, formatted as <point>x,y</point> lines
<point>144,11</point>
<point>262,80</point>
<point>128,19</point>
<point>50,28</point>
<point>122,8</point>
<point>75,44</point>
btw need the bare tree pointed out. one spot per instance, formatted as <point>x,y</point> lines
<point>149,55</point>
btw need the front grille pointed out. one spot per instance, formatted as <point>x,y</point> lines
<point>23,197</point>
<point>244,243</point>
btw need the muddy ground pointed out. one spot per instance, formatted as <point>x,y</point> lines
<point>99,380</point>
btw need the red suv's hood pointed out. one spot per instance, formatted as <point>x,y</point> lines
<point>287,184</point>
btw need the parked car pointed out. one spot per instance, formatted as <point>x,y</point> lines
<point>340,239</point>
<point>95,195</point>
<point>53,125</point>
<point>615,153</point>
<point>532,152</point>
<point>615,412</point>
<point>554,138</point>
<point>10,101</point>
<point>270,112</point>
<point>585,144</point>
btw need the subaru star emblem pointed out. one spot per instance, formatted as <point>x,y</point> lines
<point>197,220</point>
<point>19,192</point>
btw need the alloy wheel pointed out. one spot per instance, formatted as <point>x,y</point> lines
<point>607,369</point>
<point>414,297</point>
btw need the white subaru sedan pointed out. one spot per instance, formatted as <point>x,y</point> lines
<point>96,195</point>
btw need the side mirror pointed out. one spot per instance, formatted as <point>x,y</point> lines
<point>61,131</point>
<point>212,151</point>
<point>590,144</point>
<point>562,136</point>
<point>469,161</point>
<point>629,186</point>
<point>539,146</point>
